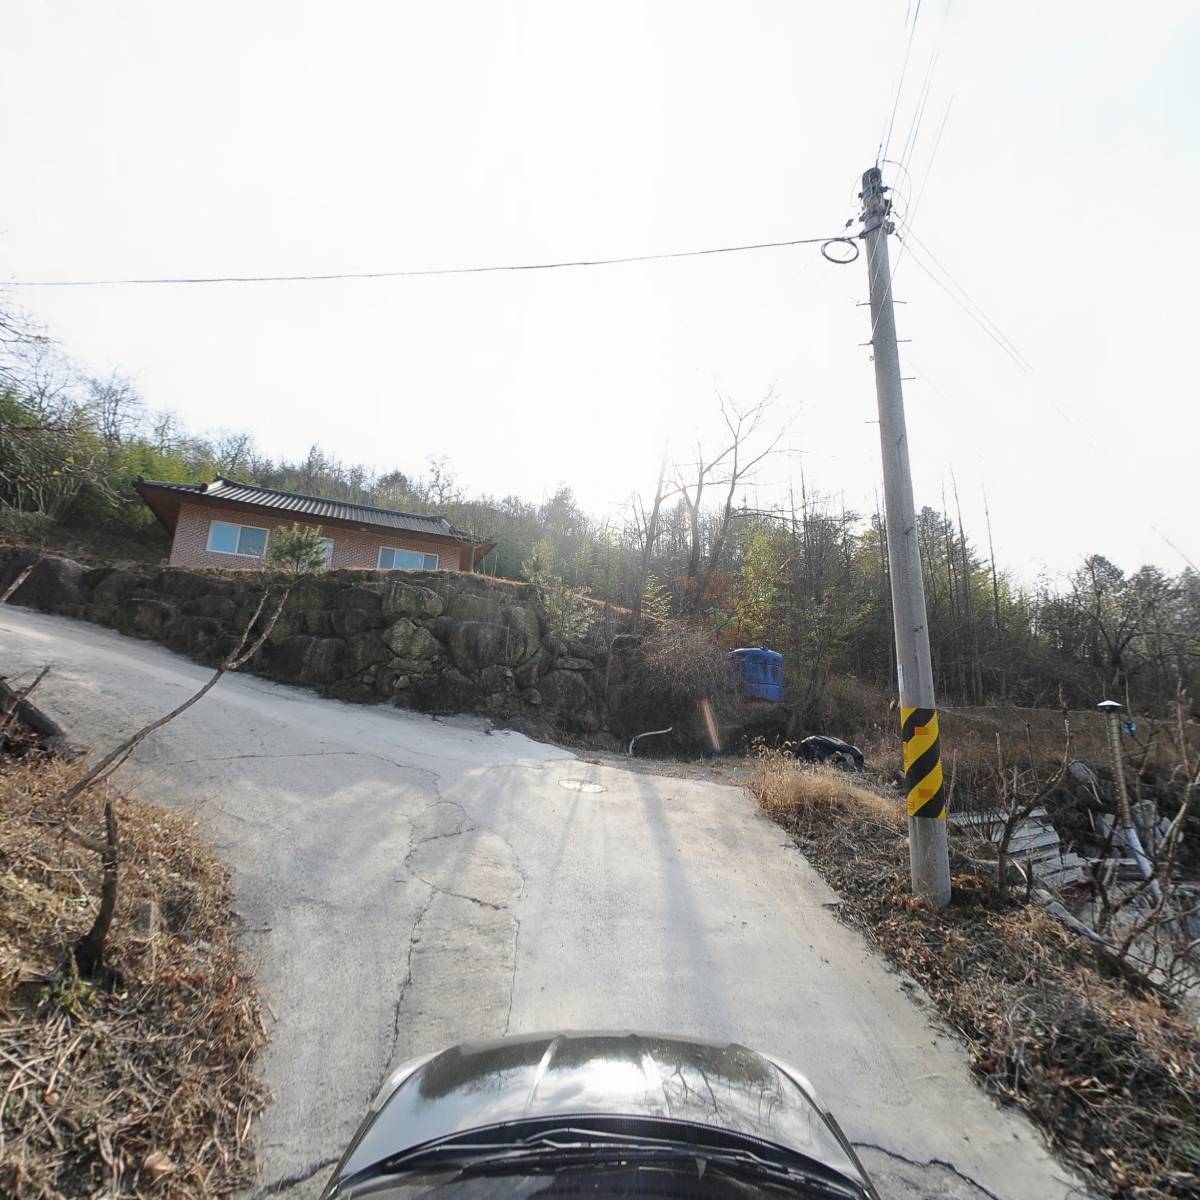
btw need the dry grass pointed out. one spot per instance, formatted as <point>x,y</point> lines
<point>1111,1075</point>
<point>141,1086</point>
<point>794,791</point>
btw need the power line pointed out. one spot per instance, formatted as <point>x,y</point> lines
<point>966,295</point>
<point>937,141</point>
<point>543,266</point>
<point>914,130</point>
<point>969,306</point>
<point>887,141</point>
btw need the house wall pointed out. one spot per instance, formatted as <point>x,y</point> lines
<point>352,548</point>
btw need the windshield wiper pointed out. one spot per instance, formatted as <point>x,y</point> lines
<point>566,1148</point>
<point>735,1163</point>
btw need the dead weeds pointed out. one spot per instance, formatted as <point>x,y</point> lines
<point>1111,1076</point>
<point>142,1086</point>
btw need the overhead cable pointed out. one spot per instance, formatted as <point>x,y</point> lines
<point>914,130</point>
<point>887,140</point>
<point>965,301</point>
<point>543,266</point>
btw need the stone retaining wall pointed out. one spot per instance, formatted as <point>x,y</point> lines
<point>436,641</point>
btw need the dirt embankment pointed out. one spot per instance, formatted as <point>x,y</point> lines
<point>1110,1073</point>
<point>138,1082</point>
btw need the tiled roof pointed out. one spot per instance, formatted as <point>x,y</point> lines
<point>314,506</point>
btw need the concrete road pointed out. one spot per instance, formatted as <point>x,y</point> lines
<point>407,883</point>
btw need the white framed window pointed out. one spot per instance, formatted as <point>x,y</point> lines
<point>327,549</point>
<point>391,559</point>
<point>246,541</point>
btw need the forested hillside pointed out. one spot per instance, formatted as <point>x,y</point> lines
<point>807,578</point>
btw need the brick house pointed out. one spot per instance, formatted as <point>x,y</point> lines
<point>228,524</point>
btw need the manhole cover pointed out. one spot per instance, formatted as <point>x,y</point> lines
<point>580,785</point>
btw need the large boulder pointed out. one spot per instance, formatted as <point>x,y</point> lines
<point>530,672</point>
<point>477,644</point>
<point>411,600</point>
<point>204,638</point>
<point>570,697</point>
<point>408,640</point>
<point>526,629</point>
<point>307,594</point>
<point>146,617</point>
<point>497,679</point>
<point>391,680</point>
<point>352,691</point>
<point>448,691</point>
<point>318,622</point>
<point>417,666</point>
<point>305,659</point>
<point>287,624</point>
<point>467,606</point>
<point>179,584</point>
<point>52,584</point>
<point>356,597</point>
<point>346,622</point>
<point>221,605</point>
<point>364,650</point>
<point>112,586</point>
<point>13,560</point>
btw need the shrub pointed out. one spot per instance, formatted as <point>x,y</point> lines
<point>678,673</point>
<point>28,526</point>
<point>297,549</point>
<point>562,605</point>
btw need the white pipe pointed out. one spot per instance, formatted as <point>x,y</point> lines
<point>648,733</point>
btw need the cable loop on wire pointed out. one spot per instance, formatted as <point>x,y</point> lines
<point>833,258</point>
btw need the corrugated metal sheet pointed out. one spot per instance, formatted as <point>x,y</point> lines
<point>314,506</point>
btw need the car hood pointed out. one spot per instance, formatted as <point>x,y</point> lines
<point>722,1085</point>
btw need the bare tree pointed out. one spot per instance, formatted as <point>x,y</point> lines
<point>234,452</point>
<point>47,381</point>
<point>45,462</point>
<point>968,586</point>
<point>997,619</point>
<point>17,334</point>
<point>729,467</point>
<point>646,527</point>
<point>116,409</point>
<point>440,486</point>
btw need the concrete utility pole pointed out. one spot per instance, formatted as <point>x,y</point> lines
<point>928,855</point>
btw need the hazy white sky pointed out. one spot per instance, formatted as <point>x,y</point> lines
<point>166,138</point>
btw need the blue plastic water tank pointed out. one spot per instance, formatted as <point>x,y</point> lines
<point>762,672</point>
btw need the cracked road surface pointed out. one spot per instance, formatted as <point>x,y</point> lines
<point>407,883</point>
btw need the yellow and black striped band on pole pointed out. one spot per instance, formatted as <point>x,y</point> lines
<point>922,763</point>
